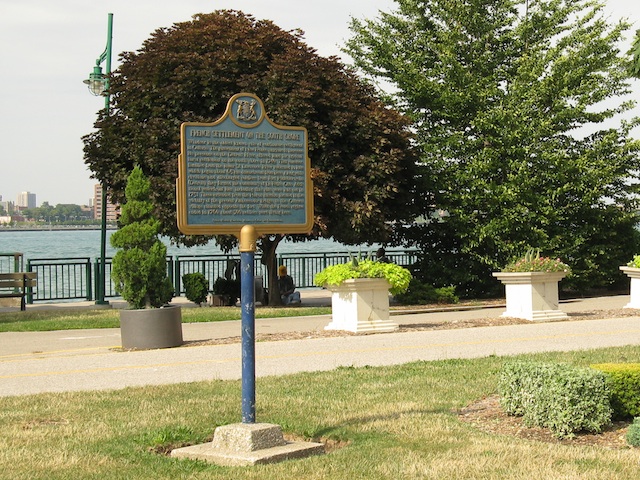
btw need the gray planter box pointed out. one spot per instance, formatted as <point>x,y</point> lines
<point>151,328</point>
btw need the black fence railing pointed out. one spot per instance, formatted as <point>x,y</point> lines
<point>62,278</point>
<point>11,262</point>
<point>67,279</point>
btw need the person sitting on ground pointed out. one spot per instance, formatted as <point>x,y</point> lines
<point>381,256</point>
<point>287,287</point>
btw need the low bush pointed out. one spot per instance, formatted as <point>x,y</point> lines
<point>196,287</point>
<point>563,398</point>
<point>624,384</point>
<point>515,387</point>
<point>633,434</point>
<point>420,293</point>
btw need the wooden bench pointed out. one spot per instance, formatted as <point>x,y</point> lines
<point>15,285</point>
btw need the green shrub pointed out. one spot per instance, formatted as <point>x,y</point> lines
<point>420,293</point>
<point>515,387</point>
<point>624,384</point>
<point>196,287</point>
<point>563,398</point>
<point>633,434</point>
<point>139,267</point>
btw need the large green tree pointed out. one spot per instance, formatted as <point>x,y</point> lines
<point>513,103</point>
<point>363,166</point>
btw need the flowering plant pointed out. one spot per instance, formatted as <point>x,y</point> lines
<point>533,262</point>
<point>397,276</point>
<point>635,263</point>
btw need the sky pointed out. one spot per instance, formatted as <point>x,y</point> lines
<point>47,48</point>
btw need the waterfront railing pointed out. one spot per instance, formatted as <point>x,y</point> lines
<point>62,278</point>
<point>73,279</point>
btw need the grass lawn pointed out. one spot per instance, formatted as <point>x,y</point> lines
<point>70,319</point>
<point>391,423</point>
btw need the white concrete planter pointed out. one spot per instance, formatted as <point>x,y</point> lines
<point>532,295</point>
<point>361,305</point>
<point>634,275</point>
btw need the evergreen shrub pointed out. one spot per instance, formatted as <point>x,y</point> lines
<point>563,398</point>
<point>196,287</point>
<point>139,268</point>
<point>624,384</point>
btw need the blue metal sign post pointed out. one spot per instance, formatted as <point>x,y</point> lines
<point>247,302</point>
<point>246,176</point>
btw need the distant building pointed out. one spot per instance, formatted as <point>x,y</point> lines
<point>8,206</point>
<point>26,200</point>
<point>112,209</point>
<point>7,219</point>
<point>87,210</point>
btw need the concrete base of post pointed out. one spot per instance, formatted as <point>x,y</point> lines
<point>244,444</point>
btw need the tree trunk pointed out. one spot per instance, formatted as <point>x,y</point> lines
<point>268,246</point>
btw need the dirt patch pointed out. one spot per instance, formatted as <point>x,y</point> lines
<point>273,337</point>
<point>472,323</point>
<point>487,415</point>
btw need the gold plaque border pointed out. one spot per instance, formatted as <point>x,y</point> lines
<point>234,229</point>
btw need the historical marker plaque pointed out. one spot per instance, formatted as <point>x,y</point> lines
<point>243,170</point>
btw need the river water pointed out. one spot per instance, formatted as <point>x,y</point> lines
<point>86,243</point>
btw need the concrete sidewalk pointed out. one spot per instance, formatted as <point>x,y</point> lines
<point>77,360</point>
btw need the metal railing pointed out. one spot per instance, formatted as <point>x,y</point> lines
<point>11,262</point>
<point>70,279</point>
<point>61,278</point>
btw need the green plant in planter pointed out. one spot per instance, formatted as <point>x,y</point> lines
<point>334,275</point>
<point>635,263</point>
<point>196,287</point>
<point>139,268</point>
<point>533,262</point>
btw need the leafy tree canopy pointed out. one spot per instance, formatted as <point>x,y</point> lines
<point>362,161</point>
<point>509,99</point>
<point>361,157</point>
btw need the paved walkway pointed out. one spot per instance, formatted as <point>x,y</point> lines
<point>76,360</point>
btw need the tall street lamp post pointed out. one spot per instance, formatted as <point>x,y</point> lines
<point>99,85</point>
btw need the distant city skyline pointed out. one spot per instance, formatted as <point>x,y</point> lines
<point>13,209</point>
<point>46,109</point>
<point>28,199</point>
